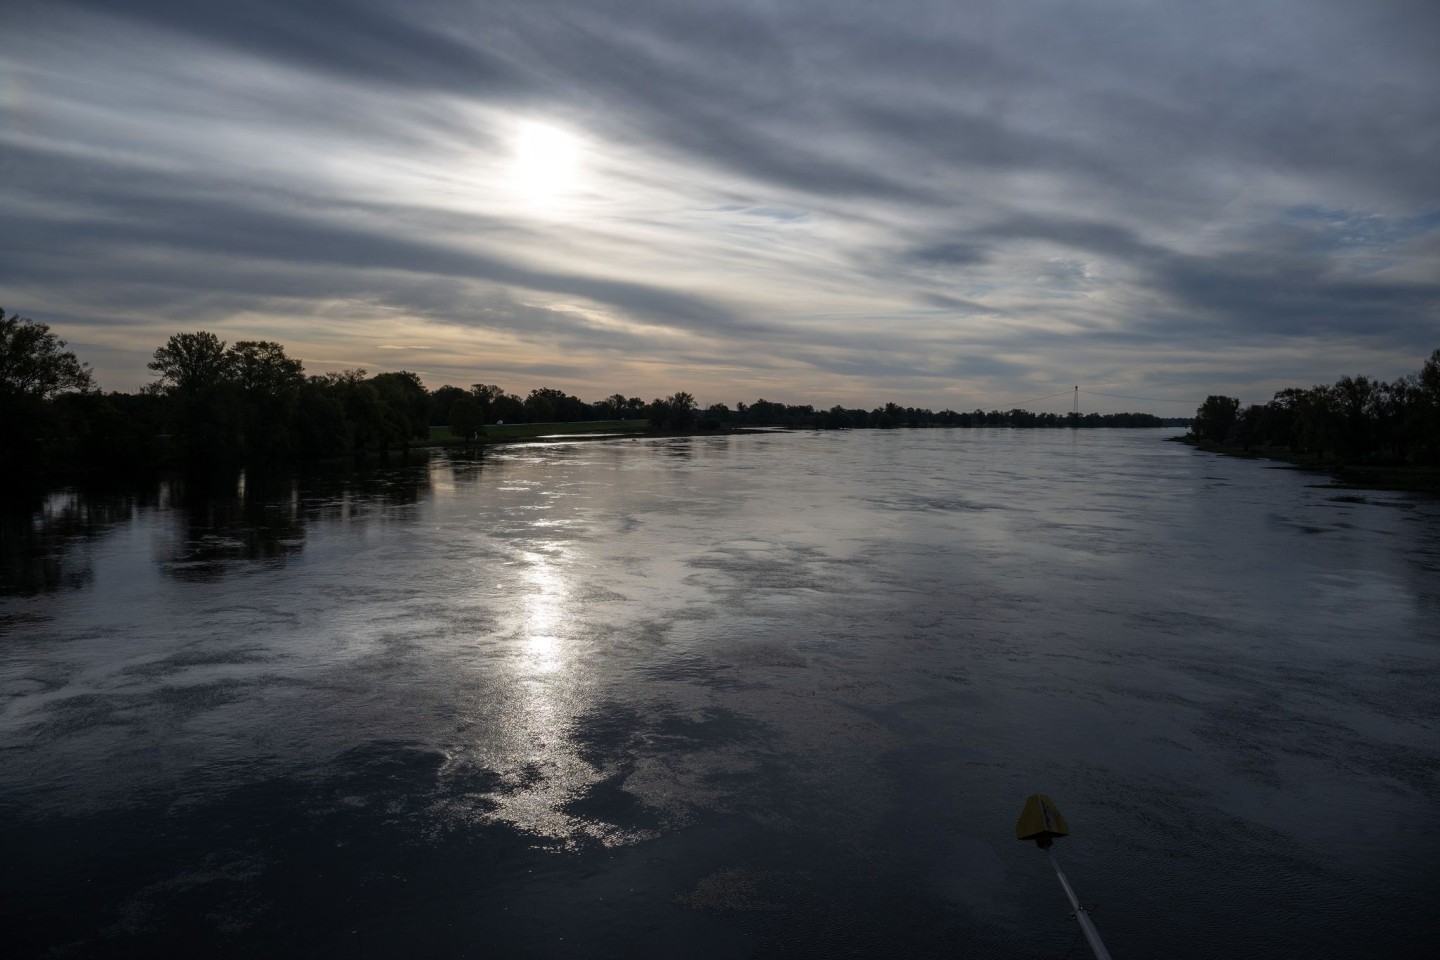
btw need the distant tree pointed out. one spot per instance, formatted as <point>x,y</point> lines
<point>612,407</point>
<point>35,367</point>
<point>1425,413</point>
<point>363,412</point>
<point>488,395</point>
<point>1248,427</point>
<point>406,405</point>
<point>675,412</point>
<point>34,362</point>
<point>466,418</point>
<point>1318,421</point>
<point>269,384</point>
<point>1396,424</point>
<point>547,404</point>
<point>196,375</point>
<point>322,428</point>
<point>191,362</point>
<point>1215,418</point>
<point>441,399</point>
<point>506,407</point>
<point>715,416</point>
<point>1356,400</point>
<point>261,367</point>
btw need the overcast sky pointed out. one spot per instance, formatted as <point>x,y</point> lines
<point>940,203</point>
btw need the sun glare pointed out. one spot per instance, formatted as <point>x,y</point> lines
<point>545,166</point>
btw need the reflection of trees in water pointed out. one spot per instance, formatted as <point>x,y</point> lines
<point>372,496</point>
<point>465,466</point>
<point>220,523</point>
<point>245,517</point>
<point>44,538</point>
<point>258,518</point>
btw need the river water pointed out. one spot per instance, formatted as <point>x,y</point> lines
<point>774,695</point>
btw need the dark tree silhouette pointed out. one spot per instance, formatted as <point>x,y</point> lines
<point>34,362</point>
<point>1216,418</point>
<point>35,367</point>
<point>466,418</point>
<point>191,362</point>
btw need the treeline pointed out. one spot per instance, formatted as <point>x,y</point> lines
<point>891,415</point>
<point>1355,420</point>
<point>221,405</point>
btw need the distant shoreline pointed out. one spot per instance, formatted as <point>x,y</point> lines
<point>1424,480</point>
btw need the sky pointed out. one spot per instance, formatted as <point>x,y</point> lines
<point>943,204</point>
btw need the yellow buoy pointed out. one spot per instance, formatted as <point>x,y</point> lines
<point>1040,821</point>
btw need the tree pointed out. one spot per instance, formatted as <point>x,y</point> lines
<point>546,404</point>
<point>442,399</point>
<point>675,412</point>
<point>269,384</point>
<point>1427,408</point>
<point>540,405</point>
<point>1216,418</point>
<point>505,407</point>
<point>34,362</point>
<point>466,418</point>
<point>191,362</point>
<point>1318,421</point>
<point>407,405</point>
<point>1357,400</point>
<point>261,368</point>
<point>34,368</point>
<point>321,427</point>
<point>196,374</point>
<point>716,416</point>
<point>612,407</point>
<point>362,410</point>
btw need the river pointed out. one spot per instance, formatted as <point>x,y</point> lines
<point>776,695</point>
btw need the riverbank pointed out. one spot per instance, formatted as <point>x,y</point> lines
<point>1346,476</point>
<point>570,432</point>
<point>510,432</point>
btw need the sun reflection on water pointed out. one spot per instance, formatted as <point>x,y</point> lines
<point>545,605</point>
<point>542,772</point>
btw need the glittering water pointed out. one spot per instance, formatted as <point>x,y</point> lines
<point>777,695</point>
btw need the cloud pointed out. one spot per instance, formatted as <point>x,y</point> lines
<point>911,197</point>
<point>362,42</point>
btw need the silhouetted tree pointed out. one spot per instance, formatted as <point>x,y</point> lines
<point>1216,418</point>
<point>196,375</point>
<point>322,427</point>
<point>34,368</point>
<point>269,385</point>
<point>190,362</point>
<point>466,418</point>
<point>34,362</point>
<point>406,405</point>
<point>441,399</point>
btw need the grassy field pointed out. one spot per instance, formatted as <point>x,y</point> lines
<point>496,433</point>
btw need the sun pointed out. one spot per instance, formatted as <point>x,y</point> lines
<point>545,166</point>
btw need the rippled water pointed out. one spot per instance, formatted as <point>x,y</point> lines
<point>778,695</point>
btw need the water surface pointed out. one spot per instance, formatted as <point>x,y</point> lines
<point>776,695</point>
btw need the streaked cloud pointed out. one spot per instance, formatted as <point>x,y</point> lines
<point>935,203</point>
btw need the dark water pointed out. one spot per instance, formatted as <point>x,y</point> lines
<point>757,696</point>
